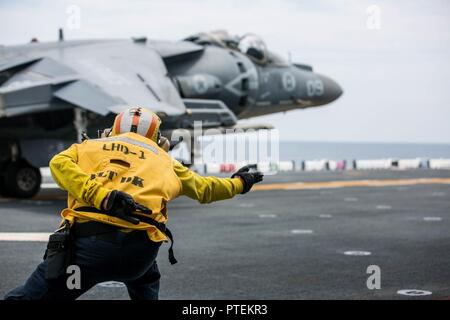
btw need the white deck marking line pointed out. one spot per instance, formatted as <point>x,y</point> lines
<point>111,284</point>
<point>432,218</point>
<point>269,215</point>
<point>24,236</point>
<point>383,207</point>
<point>414,292</point>
<point>302,231</point>
<point>357,253</point>
<point>49,186</point>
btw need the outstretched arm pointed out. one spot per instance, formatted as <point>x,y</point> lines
<point>206,189</point>
<point>70,177</point>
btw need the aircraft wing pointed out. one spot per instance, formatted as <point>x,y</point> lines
<point>102,77</point>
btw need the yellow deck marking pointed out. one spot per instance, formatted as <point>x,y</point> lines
<point>350,183</point>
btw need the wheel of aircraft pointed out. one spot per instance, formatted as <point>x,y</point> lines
<point>21,180</point>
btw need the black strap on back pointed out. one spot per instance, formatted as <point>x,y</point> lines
<point>100,228</point>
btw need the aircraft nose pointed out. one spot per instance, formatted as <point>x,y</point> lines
<point>331,89</point>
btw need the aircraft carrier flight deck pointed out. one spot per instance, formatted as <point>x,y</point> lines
<point>300,235</point>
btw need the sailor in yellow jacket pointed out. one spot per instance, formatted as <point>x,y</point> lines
<point>118,189</point>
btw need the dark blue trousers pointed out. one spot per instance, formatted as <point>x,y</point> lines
<point>130,262</point>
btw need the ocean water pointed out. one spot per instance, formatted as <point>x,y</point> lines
<point>263,147</point>
<point>351,150</point>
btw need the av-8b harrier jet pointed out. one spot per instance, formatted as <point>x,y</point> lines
<point>51,92</point>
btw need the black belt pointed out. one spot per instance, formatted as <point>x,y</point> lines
<point>107,232</point>
<point>104,230</point>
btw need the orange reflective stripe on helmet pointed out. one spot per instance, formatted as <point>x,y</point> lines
<point>151,130</point>
<point>117,123</point>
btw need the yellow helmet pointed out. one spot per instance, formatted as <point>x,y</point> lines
<point>138,120</point>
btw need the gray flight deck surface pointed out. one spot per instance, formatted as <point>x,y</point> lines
<point>245,248</point>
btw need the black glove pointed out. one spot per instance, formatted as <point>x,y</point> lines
<point>249,178</point>
<point>122,206</point>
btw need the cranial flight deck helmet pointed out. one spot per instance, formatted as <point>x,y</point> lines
<point>138,120</point>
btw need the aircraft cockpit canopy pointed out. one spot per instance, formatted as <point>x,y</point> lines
<point>254,47</point>
<point>249,44</point>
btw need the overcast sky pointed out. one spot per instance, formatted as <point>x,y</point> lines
<point>396,78</point>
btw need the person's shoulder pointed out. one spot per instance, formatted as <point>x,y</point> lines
<point>179,168</point>
<point>177,164</point>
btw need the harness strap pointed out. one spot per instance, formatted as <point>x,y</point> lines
<point>100,228</point>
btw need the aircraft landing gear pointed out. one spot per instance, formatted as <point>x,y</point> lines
<point>20,179</point>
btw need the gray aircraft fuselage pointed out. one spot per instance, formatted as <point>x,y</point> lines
<point>50,91</point>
